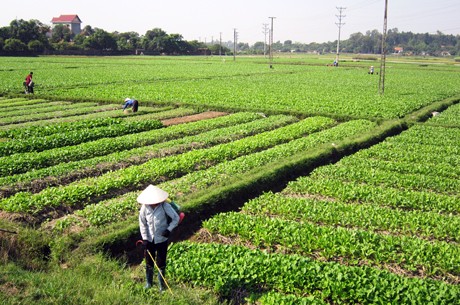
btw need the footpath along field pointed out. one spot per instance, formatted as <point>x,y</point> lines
<point>379,225</point>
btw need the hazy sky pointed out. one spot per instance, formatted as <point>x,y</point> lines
<point>297,20</point>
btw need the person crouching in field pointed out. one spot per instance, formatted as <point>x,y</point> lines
<point>155,230</point>
<point>131,103</point>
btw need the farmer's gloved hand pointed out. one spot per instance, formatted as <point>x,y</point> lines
<point>166,233</point>
<point>144,244</point>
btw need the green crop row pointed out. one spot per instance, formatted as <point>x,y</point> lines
<point>75,137</point>
<point>386,152</point>
<point>164,113</point>
<point>50,115</point>
<point>20,115</point>
<point>427,225</point>
<point>226,268</point>
<point>366,174</point>
<point>422,149</point>
<point>450,116</point>
<point>36,108</point>
<point>22,163</point>
<point>50,129</point>
<point>114,209</point>
<point>432,258</point>
<point>116,113</point>
<point>428,135</point>
<point>98,165</point>
<point>83,191</point>
<point>441,169</point>
<point>275,298</point>
<point>19,101</point>
<point>383,196</point>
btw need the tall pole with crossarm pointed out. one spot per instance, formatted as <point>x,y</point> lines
<point>270,43</point>
<point>384,51</point>
<point>339,24</point>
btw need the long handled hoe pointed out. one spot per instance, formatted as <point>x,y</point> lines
<point>156,266</point>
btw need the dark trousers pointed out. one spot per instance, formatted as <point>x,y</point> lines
<point>135,105</point>
<point>158,251</point>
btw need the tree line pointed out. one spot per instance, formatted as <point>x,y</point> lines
<point>408,43</point>
<point>34,37</point>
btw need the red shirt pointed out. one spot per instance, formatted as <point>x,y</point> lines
<point>28,79</point>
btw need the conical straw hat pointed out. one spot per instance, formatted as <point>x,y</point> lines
<point>152,195</point>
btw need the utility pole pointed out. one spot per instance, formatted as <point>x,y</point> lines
<point>220,44</point>
<point>339,24</point>
<point>235,41</point>
<point>384,51</point>
<point>270,43</point>
<point>265,31</point>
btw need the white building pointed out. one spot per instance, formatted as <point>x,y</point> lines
<point>72,21</point>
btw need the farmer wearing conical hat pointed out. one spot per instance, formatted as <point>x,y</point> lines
<point>155,230</point>
<point>131,103</point>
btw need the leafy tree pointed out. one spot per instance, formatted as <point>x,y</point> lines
<point>28,30</point>
<point>5,33</point>
<point>259,47</point>
<point>127,40</point>
<point>354,43</point>
<point>154,40</point>
<point>100,40</point>
<point>195,46</point>
<point>277,46</point>
<point>173,44</point>
<point>14,45</point>
<point>61,33</point>
<point>80,38</point>
<point>36,46</point>
<point>87,31</point>
<point>242,47</point>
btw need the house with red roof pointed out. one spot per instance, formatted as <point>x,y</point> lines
<point>72,21</point>
<point>398,50</point>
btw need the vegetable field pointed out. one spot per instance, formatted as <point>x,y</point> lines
<point>301,184</point>
<point>296,85</point>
